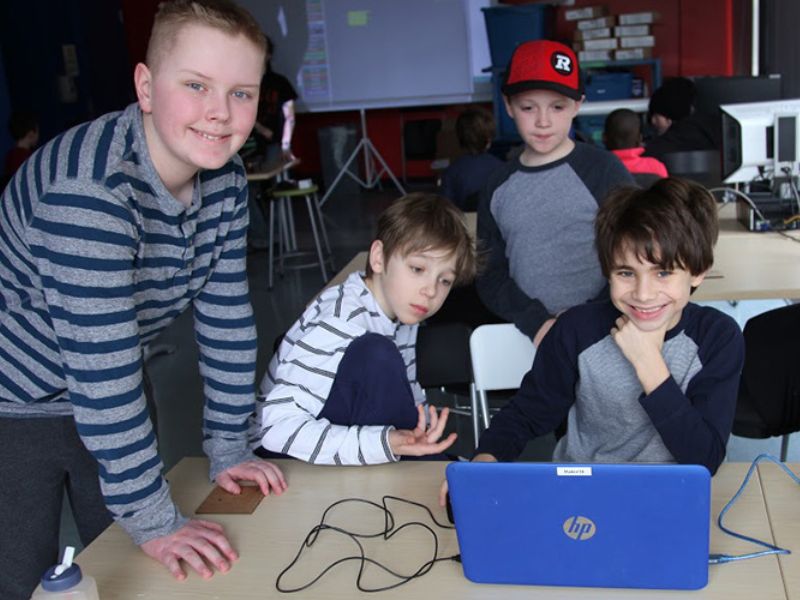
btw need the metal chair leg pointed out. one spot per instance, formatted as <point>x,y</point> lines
<point>317,244</point>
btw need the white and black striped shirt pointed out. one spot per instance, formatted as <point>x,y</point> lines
<point>302,371</point>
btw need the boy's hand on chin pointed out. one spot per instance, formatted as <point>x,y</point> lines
<point>643,351</point>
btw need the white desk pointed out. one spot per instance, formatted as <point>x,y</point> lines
<point>268,539</point>
<point>782,496</point>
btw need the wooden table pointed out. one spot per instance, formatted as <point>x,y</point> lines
<point>782,496</point>
<point>268,539</point>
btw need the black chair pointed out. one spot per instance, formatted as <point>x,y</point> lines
<point>443,362</point>
<point>645,180</point>
<point>769,391</point>
<point>702,166</point>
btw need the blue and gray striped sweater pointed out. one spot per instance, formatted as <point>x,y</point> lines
<point>96,259</point>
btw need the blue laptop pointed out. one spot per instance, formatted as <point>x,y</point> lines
<point>599,525</point>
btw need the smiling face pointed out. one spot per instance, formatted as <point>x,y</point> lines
<point>412,287</point>
<point>199,102</point>
<point>543,119</point>
<point>651,296</point>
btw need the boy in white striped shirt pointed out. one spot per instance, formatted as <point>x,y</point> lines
<point>342,389</point>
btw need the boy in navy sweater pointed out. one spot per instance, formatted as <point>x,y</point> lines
<point>646,376</point>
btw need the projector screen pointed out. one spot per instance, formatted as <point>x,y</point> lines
<point>352,54</point>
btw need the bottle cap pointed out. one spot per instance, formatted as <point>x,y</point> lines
<point>69,577</point>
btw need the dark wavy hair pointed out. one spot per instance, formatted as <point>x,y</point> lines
<point>673,223</point>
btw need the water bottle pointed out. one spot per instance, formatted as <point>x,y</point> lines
<point>66,582</point>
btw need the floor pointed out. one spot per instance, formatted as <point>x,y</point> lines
<point>350,221</point>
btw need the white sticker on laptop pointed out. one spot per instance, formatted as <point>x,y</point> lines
<point>574,471</point>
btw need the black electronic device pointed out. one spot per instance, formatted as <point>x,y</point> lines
<point>776,212</point>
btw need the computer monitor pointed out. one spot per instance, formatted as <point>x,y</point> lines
<point>760,140</point>
<point>713,92</point>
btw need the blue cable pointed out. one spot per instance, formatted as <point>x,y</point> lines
<point>771,549</point>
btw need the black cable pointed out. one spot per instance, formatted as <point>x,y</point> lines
<point>389,531</point>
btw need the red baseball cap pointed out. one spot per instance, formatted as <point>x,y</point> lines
<point>543,65</point>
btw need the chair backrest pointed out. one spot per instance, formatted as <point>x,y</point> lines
<point>501,355</point>
<point>702,166</point>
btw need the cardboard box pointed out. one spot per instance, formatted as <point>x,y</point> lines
<point>595,23</point>
<point>633,54</point>
<point>594,55</point>
<point>630,30</point>
<point>639,41</point>
<point>640,18</point>
<point>592,34</point>
<point>601,44</point>
<point>587,12</point>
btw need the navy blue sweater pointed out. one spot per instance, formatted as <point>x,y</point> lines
<point>580,373</point>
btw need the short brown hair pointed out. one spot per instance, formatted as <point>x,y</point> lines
<point>673,223</point>
<point>224,15</point>
<point>423,221</point>
<point>475,129</point>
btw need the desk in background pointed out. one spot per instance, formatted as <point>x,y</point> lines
<point>268,539</point>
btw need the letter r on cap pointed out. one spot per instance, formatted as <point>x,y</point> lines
<point>563,63</point>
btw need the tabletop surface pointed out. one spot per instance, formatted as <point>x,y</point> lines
<point>783,504</point>
<point>268,539</point>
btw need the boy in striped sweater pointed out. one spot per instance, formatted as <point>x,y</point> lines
<point>342,389</point>
<point>107,234</point>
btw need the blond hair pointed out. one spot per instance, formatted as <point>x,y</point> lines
<point>224,15</point>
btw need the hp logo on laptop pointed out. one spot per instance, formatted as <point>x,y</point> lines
<point>579,528</point>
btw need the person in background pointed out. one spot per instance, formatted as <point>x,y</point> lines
<point>464,179</point>
<point>536,213</point>
<point>622,135</point>
<point>275,119</point>
<point>678,126</point>
<point>24,129</point>
<point>111,231</point>
<point>273,132</point>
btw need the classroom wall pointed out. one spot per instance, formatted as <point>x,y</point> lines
<point>33,35</point>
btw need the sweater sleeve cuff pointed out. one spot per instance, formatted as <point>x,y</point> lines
<point>158,519</point>
<point>217,464</point>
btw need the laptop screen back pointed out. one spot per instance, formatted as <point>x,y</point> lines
<point>602,525</point>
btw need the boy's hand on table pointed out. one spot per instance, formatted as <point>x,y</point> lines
<point>424,438</point>
<point>262,472</point>
<point>198,543</point>
<point>444,489</point>
<point>643,351</point>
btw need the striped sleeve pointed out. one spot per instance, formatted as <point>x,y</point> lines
<point>83,241</point>
<point>299,380</point>
<point>226,336</point>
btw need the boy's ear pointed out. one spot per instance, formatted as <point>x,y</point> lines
<point>142,81</point>
<point>508,106</point>
<point>698,279</point>
<point>376,258</point>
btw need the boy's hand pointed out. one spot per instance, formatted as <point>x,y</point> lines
<point>422,441</point>
<point>477,458</point>
<point>643,351</point>
<point>199,544</point>
<point>265,474</point>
